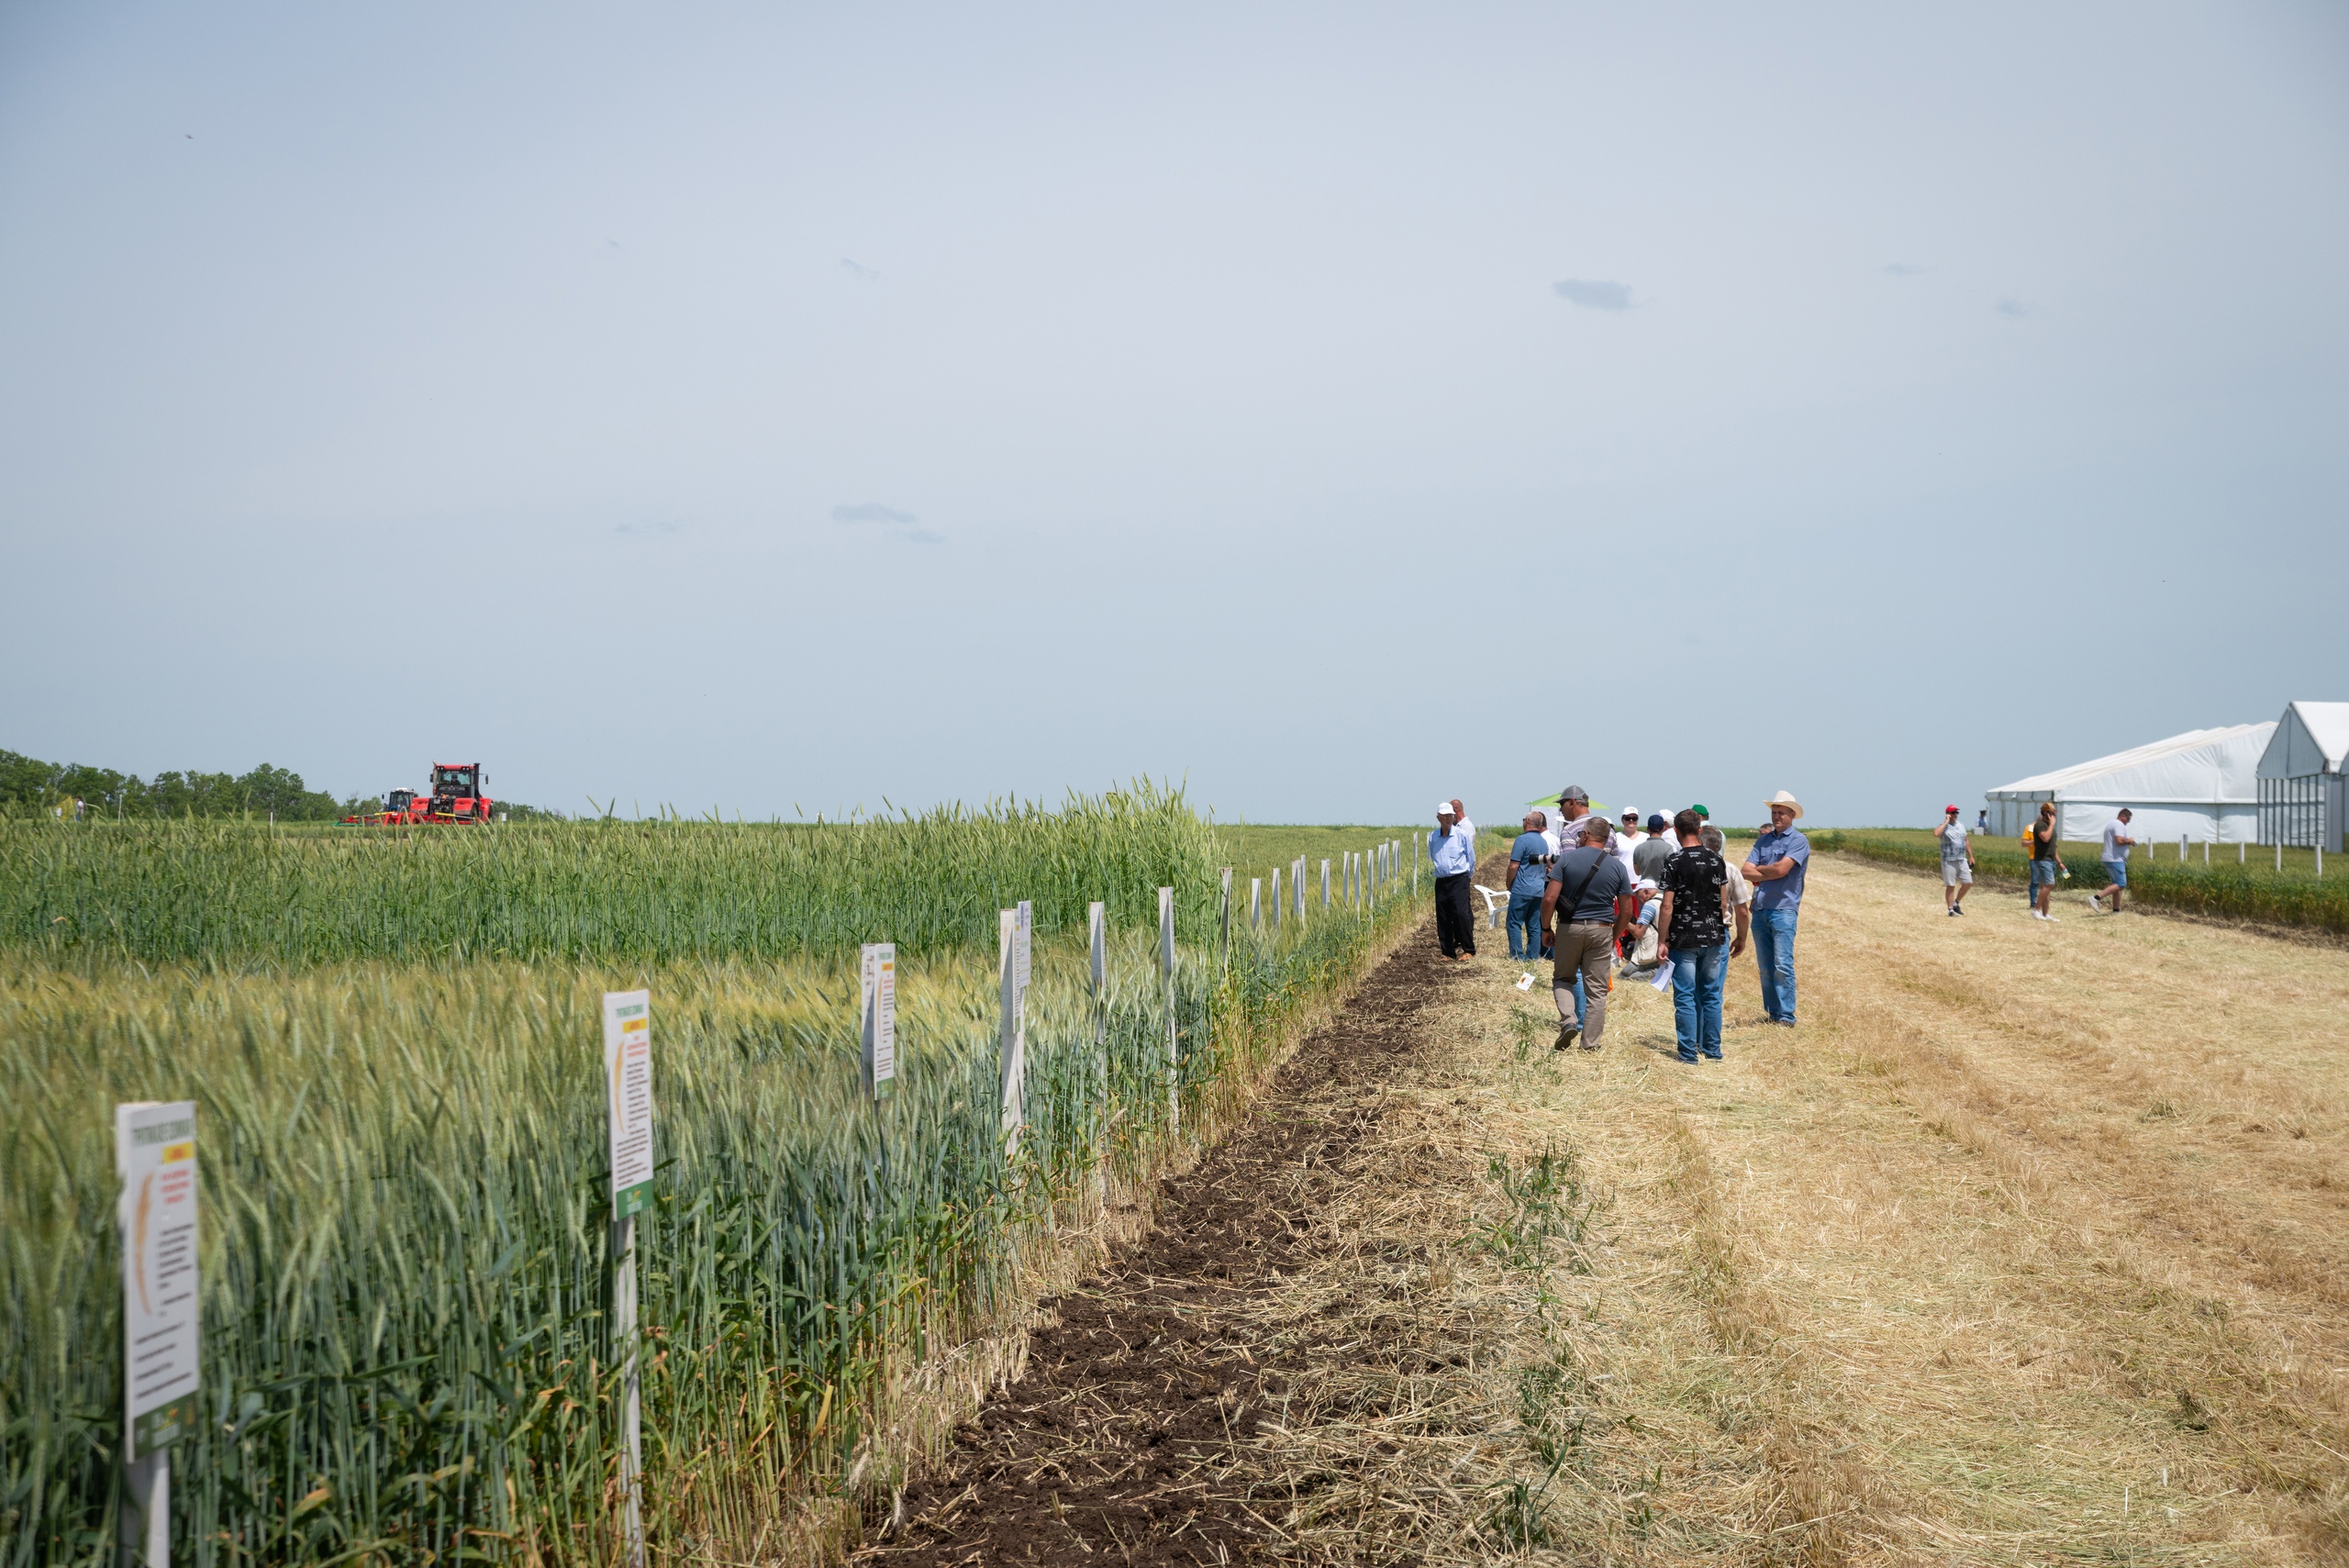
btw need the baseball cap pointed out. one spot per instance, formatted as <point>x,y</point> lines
<point>1443,809</point>
<point>1632,812</point>
<point>1574,792</point>
<point>1951,809</point>
<point>1656,824</point>
<point>1646,884</point>
<point>1699,810</point>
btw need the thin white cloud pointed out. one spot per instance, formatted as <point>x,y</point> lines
<point>901,525</point>
<point>1903,269</point>
<point>871,512</point>
<point>1593,293</point>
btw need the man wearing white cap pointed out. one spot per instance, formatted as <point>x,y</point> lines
<point>1775,866</point>
<point>1452,852</point>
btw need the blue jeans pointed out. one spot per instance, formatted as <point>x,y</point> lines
<point>1697,975</point>
<point>1525,925</point>
<point>1774,954</point>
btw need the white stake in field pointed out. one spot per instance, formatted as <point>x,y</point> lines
<point>1013,930</point>
<point>1166,973</point>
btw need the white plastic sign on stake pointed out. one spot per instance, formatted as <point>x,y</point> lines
<point>155,1155</point>
<point>1256,902</point>
<point>1276,898</point>
<point>627,1085</point>
<point>877,962</point>
<point>627,1081</point>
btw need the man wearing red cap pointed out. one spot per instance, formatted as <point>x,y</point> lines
<point>1957,860</point>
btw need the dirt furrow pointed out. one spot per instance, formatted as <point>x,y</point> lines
<point>1127,1437</point>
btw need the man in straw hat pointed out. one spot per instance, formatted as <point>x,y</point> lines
<point>1775,866</point>
<point>1452,852</point>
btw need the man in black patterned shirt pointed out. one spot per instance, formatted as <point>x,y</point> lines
<point>1698,907</point>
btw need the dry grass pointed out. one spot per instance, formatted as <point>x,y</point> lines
<point>2029,1246</point>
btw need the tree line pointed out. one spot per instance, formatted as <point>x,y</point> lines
<point>30,788</point>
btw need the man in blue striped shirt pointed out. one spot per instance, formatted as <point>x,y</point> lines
<point>1451,851</point>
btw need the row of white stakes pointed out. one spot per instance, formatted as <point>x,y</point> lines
<point>2243,854</point>
<point>1362,873</point>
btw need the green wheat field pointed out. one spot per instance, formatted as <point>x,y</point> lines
<point>392,1039</point>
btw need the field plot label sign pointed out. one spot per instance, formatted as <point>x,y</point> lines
<point>155,1152</point>
<point>627,1081</point>
<point>878,961</point>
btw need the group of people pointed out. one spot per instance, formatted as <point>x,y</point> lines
<point>2046,859</point>
<point>1587,895</point>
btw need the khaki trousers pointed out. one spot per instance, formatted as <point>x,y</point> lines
<point>1589,946</point>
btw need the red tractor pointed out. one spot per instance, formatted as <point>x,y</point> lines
<point>457,797</point>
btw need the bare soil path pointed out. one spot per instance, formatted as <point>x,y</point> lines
<point>2029,1245</point>
<point>1131,1437</point>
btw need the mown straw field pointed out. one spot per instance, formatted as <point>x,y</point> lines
<point>392,1047</point>
<point>2027,1247</point>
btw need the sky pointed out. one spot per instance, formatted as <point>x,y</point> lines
<point>785,409</point>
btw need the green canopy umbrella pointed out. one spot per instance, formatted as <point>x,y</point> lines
<point>1552,799</point>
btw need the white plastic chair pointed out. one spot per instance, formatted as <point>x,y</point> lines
<point>1494,904</point>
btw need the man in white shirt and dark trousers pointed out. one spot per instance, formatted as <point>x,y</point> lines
<point>1452,852</point>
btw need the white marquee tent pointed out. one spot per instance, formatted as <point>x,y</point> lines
<point>2300,794</point>
<point>2201,785</point>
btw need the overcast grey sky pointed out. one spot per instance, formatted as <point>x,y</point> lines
<point>1338,407</point>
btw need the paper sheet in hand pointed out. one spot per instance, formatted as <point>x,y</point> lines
<point>1663,981</point>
